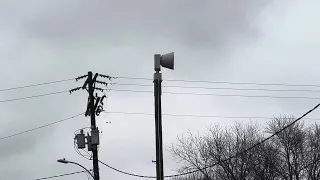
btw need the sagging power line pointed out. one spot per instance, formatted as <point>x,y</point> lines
<point>34,96</point>
<point>40,127</point>
<point>187,81</point>
<point>62,175</point>
<point>234,156</point>
<point>169,92</point>
<point>137,175</point>
<point>223,82</point>
<point>220,88</point>
<point>90,111</point>
<point>197,115</point>
<point>237,154</point>
<point>145,114</point>
<point>34,85</point>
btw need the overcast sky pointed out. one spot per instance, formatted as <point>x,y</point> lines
<point>238,41</point>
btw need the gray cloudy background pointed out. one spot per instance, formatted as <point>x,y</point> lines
<point>242,41</point>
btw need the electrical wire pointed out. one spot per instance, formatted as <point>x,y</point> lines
<point>238,154</point>
<point>221,88</point>
<point>39,84</point>
<point>222,95</point>
<point>77,150</point>
<point>178,93</point>
<point>169,92</point>
<point>88,157</point>
<point>149,114</point>
<point>197,116</point>
<point>126,173</point>
<point>84,156</point>
<point>181,80</point>
<point>173,80</point>
<point>35,96</point>
<point>255,145</point>
<point>62,175</point>
<point>57,176</point>
<point>130,174</point>
<point>222,82</point>
<point>88,176</point>
<point>40,127</point>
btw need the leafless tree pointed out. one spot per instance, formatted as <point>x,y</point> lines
<point>192,151</point>
<point>291,147</point>
<point>293,154</point>
<point>224,144</point>
<point>312,168</point>
<point>265,162</point>
<point>217,146</point>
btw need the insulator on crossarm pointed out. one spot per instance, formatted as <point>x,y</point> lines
<point>81,77</point>
<point>107,76</point>
<point>74,89</point>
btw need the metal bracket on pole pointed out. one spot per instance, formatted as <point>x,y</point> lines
<point>95,136</point>
<point>157,62</point>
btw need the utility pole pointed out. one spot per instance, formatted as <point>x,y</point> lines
<point>158,124</point>
<point>167,61</point>
<point>94,107</point>
<point>94,130</point>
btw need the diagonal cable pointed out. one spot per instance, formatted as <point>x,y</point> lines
<point>62,175</point>
<point>236,155</point>
<point>40,127</point>
<point>35,96</point>
<point>33,85</point>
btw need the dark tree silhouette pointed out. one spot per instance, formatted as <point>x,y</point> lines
<point>294,154</point>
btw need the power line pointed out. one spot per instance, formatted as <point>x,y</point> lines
<point>222,95</point>
<point>39,127</point>
<point>255,145</point>
<point>221,88</point>
<point>261,142</point>
<point>148,114</point>
<point>39,84</point>
<point>61,175</point>
<point>224,82</point>
<point>126,173</point>
<point>196,115</point>
<point>181,80</point>
<point>169,92</point>
<point>35,96</point>
<point>181,93</point>
<point>238,154</point>
<point>131,174</point>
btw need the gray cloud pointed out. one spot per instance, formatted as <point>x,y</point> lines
<point>195,24</point>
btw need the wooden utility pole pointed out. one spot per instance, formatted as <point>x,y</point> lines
<point>94,131</point>
<point>94,108</point>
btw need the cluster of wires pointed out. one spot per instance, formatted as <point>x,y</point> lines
<point>236,155</point>
<point>113,86</point>
<point>88,155</point>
